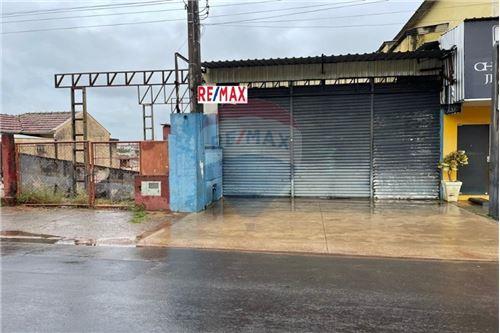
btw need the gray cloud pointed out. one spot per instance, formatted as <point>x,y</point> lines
<point>30,60</point>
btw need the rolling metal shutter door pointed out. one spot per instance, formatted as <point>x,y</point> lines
<point>406,141</point>
<point>255,138</point>
<point>332,141</point>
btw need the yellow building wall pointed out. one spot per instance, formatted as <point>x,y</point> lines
<point>452,12</point>
<point>408,44</point>
<point>470,115</point>
<point>104,154</point>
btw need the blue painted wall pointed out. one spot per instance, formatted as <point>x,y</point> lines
<point>195,171</point>
<point>213,174</point>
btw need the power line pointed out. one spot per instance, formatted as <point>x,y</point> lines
<point>308,26</point>
<point>232,23</point>
<point>291,8</point>
<point>354,15</point>
<point>145,12</point>
<point>356,3</point>
<point>175,9</point>
<point>332,17</point>
<point>172,20</point>
<point>93,15</point>
<point>88,8</point>
<point>85,26</point>
<point>113,6</point>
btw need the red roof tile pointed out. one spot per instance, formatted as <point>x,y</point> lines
<point>33,123</point>
<point>10,123</point>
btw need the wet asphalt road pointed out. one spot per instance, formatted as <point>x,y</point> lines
<point>53,288</point>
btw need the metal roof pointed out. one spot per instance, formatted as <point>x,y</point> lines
<point>323,59</point>
<point>486,18</point>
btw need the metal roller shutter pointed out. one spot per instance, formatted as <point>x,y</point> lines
<point>331,153</point>
<point>255,138</point>
<point>406,141</point>
<point>332,141</point>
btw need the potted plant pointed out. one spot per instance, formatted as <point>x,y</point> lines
<point>449,165</point>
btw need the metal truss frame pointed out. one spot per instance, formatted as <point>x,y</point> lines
<point>151,89</point>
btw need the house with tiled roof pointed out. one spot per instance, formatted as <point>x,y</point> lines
<point>42,128</point>
<point>49,125</point>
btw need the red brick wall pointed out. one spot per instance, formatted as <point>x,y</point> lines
<point>9,172</point>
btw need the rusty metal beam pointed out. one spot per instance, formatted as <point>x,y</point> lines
<point>160,77</point>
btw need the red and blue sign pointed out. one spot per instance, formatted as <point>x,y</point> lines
<point>222,95</point>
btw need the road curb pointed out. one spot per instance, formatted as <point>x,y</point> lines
<point>33,239</point>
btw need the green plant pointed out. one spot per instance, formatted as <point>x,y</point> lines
<point>40,196</point>
<point>139,214</point>
<point>452,162</point>
<point>45,195</point>
<point>81,198</point>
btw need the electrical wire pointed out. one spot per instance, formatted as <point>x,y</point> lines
<point>173,20</point>
<point>353,16</point>
<point>333,17</point>
<point>89,8</point>
<point>309,26</point>
<point>322,6</point>
<point>205,12</point>
<point>93,15</point>
<point>140,4</point>
<point>250,22</point>
<point>175,9</point>
<point>356,3</point>
<point>88,26</point>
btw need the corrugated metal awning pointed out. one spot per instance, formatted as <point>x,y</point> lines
<point>350,66</point>
<point>323,59</point>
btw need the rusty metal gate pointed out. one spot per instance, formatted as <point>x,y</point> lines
<point>77,173</point>
<point>53,173</point>
<point>114,166</point>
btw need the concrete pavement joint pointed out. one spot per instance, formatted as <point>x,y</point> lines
<point>324,227</point>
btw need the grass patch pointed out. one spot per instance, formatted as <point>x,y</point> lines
<point>42,196</point>
<point>49,196</point>
<point>139,215</point>
<point>81,198</point>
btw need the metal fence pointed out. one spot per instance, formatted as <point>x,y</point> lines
<point>114,166</point>
<point>53,173</point>
<point>77,173</point>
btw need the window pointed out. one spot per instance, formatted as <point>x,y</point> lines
<point>40,150</point>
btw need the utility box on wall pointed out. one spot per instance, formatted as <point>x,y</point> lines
<point>151,186</point>
<point>152,192</point>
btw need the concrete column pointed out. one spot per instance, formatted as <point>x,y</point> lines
<point>166,131</point>
<point>186,147</point>
<point>9,169</point>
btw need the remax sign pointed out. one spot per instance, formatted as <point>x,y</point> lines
<point>222,95</point>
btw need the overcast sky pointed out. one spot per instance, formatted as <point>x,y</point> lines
<point>30,59</point>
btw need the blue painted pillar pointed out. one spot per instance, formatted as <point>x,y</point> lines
<point>187,157</point>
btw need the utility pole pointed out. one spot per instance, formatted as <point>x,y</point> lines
<point>194,54</point>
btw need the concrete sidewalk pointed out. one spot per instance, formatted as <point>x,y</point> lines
<point>79,225</point>
<point>407,229</point>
